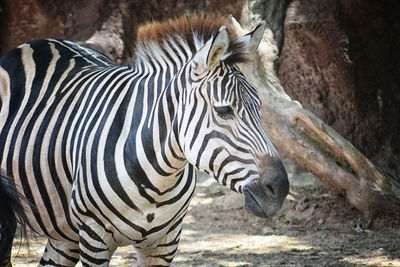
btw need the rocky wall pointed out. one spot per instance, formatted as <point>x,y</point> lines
<point>341,60</point>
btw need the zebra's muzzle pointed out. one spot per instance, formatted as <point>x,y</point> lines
<point>264,196</point>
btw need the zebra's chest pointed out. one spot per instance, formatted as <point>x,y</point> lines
<point>133,212</point>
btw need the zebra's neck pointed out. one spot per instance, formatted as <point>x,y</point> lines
<point>172,53</point>
<point>164,66</point>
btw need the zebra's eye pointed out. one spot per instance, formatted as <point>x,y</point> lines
<point>225,112</point>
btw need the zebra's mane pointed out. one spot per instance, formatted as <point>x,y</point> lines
<point>187,33</point>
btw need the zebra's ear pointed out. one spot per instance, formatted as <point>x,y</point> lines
<point>252,39</point>
<point>210,54</point>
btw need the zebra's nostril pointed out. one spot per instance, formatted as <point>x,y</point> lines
<point>271,188</point>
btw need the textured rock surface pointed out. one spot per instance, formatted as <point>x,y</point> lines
<point>26,20</point>
<point>340,59</point>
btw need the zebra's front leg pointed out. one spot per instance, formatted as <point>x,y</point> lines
<point>60,253</point>
<point>96,246</point>
<point>163,252</point>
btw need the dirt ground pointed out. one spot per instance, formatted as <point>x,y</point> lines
<point>314,228</point>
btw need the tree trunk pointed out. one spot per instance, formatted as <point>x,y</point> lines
<point>313,144</point>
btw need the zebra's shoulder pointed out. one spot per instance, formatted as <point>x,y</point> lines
<point>47,48</point>
<point>88,51</point>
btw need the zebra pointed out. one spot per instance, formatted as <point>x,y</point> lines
<point>107,155</point>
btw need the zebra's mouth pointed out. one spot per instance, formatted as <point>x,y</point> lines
<point>252,205</point>
<point>261,200</point>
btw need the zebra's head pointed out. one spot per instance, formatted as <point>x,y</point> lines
<point>221,131</point>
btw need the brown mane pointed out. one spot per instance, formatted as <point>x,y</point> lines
<point>205,27</point>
